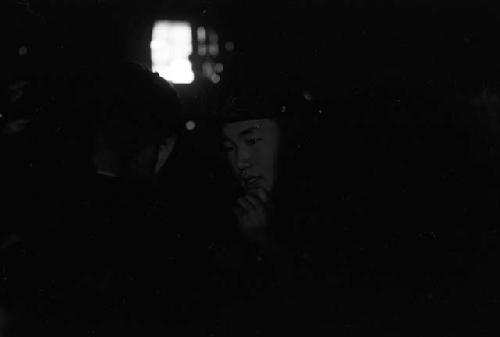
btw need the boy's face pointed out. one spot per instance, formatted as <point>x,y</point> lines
<point>252,152</point>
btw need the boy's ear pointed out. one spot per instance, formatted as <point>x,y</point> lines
<point>164,151</point>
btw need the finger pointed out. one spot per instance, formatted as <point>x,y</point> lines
<point>262,194</point>
<point>255,201</point>
<point>245,204</point>
<point>263,197</point>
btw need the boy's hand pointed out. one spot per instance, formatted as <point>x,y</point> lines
<point>252,212</point>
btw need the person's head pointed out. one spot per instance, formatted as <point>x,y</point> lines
<point>252,148</point>
<point>259,133</point>
<point>137,120</point>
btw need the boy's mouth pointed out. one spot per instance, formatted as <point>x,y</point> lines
<point>251,181</point>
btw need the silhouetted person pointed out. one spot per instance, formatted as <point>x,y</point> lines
<point>135,130</point>
<point>115,256</point>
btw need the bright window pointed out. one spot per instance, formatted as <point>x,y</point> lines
<point>171,47</point>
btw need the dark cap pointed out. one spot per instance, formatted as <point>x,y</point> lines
<point>258,105</point>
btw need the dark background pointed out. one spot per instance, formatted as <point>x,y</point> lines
<point>321,46</point>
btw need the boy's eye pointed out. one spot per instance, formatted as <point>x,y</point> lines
<point>253,141</point>
<point>227,148</point>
